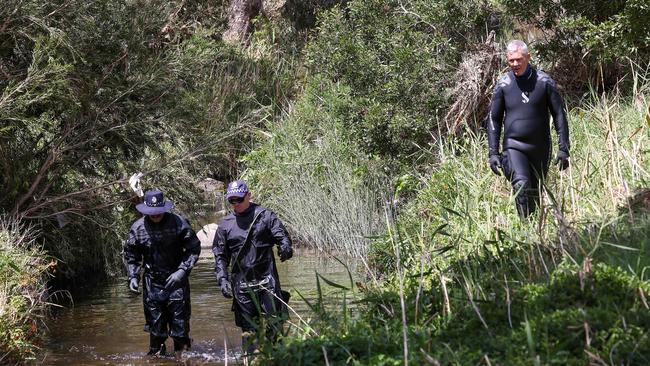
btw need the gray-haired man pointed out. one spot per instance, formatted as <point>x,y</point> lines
<point>527,97</point>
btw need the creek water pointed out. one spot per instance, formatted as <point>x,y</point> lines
<point>106,327</point>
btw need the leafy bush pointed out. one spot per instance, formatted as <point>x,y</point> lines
<point>23,273</point>
<point>398,61</point>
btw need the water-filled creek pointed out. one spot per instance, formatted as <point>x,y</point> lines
<point>106,326</point>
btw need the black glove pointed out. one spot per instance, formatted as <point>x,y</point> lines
<point>175,278</point>
<point>495,164</point>
<point>133,285</point>
<point>285,252</point>
<point>562,159</point>
<point>226,288</point>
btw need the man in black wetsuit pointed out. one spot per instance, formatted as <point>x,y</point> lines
<point>244,241</point>
<point>527,97</point>
<point>168,247</point>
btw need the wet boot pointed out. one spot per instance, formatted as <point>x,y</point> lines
<point>156,346</point>
<point>180,345</point>
<point>248,345</point>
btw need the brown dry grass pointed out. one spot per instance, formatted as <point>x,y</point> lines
<point>476,77</point>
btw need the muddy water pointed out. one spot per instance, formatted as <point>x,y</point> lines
<point>106,328</point>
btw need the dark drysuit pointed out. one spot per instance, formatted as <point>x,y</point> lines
<point>255,281</point>
<point>163,248</point>
<point>527,102</point>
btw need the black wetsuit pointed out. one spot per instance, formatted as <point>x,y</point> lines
<point>163,248</point>
<point>527,101</point>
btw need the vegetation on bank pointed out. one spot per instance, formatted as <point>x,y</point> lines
<point>464,281</point>
<point>24,270</point>
<point>457,277</point>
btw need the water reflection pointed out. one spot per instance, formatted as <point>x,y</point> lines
<point>106,328</point>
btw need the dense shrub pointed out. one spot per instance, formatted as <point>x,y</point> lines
<point>93,92</point>
<point>23,292</point>
<point>398,61</point>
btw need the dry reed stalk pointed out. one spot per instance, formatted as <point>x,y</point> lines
<point>327,362</point>
<point>420,286</point>
<point>400,275</point>
<point>508,300</point>
<point>470,297</point>
<point>446,306</point>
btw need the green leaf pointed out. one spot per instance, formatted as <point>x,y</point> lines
<point>332,283</point>
<point>14,267</point>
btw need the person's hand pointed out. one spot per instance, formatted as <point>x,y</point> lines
<point>133,285</point>
<point>495,164</point>
<point>562,159</point>
<point>226,288</point>
<point>175,278</point>
<point>285,252</point>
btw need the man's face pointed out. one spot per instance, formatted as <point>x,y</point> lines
<point>240,204</point>
<point>518,61</point>
<point>156,218</point>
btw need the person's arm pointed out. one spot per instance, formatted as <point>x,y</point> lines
<point>132,255</point>
<point>191,244</point>
<point>495,119</point>
<point>221,255</point>
<point>558,111</point>
<point>281,235</point>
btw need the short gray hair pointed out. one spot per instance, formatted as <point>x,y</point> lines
<point>517,45</point>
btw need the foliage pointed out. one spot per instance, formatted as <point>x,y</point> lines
<point>567,286</point>
<point>23,271</point>
<point>308,160</point>
<point>93,92</point>
<point>303,13</point>
<point>398,60</point>
<point>572,319</point>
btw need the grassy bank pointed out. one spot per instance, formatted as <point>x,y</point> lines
<point>23,274</point>
<point>464,281</point>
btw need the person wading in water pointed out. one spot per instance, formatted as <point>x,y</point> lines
<point>244,242</point>
<point>168,247</point>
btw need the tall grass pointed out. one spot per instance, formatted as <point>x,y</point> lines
<point>609,164</point>
<point>23,292</point>
<point>315,178</point>
<point>333,211</point>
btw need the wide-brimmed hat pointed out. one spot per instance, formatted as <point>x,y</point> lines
<point>154,203</point>
<point>237,188</point>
